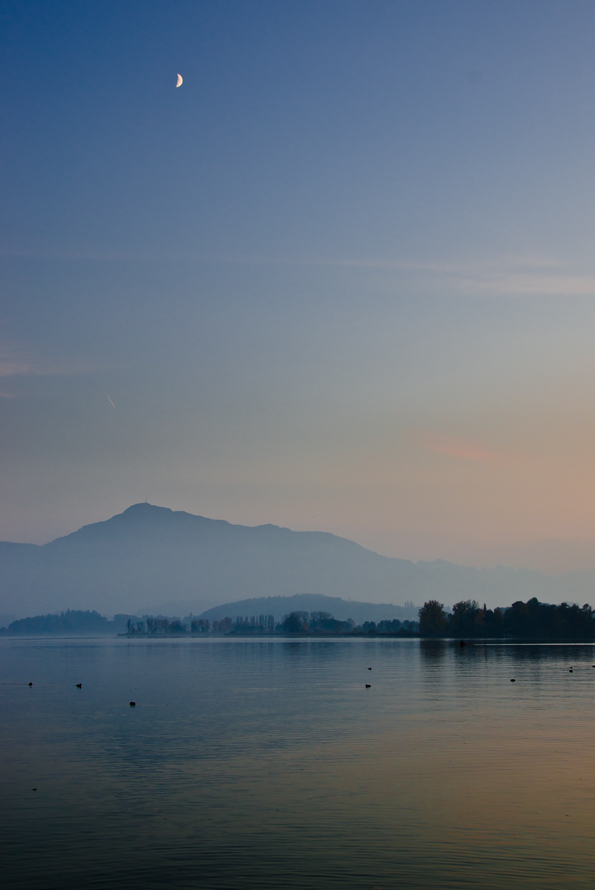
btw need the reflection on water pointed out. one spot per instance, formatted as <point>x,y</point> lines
<point>267,763</point>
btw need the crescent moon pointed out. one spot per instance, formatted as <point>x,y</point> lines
<point>180,81</point>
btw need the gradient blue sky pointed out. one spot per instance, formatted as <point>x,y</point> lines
<point>342,279</point>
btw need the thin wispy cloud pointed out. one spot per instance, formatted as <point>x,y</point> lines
<point>67,253</point>
<point>506,276</point>
<point>532,285</point>
<point>461,448</point>
<point>12,365</point>
<point>459,266</point>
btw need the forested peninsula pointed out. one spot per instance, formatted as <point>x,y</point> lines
<point>531,620</point>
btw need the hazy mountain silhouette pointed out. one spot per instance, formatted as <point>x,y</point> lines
<point>279,606</point>
<point>148,556</point>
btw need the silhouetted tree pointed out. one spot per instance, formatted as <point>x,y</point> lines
<point>541,620</point>
<point>224,626</point>
<point>200,626</point>
<point>432,618</point>
<point>388,627</point>
<point>465,619</point>
<point>294,622</point>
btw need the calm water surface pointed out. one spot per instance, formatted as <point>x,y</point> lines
<point>266,763</point>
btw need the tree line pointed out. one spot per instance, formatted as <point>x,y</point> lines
<point>530,620</point>
<point>72,621</point>
<point>292,623</point>
<point>323,622</point>
<point>158,626</point>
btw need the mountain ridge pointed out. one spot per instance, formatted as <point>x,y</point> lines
<point>151,555</point>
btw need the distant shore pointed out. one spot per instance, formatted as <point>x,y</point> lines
<point>467,622</point>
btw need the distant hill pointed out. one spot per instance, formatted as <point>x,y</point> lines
<point>151,558</point>
<point>69,623</point>
<point>312,602</point>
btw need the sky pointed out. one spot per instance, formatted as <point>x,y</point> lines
<point>342,279</point>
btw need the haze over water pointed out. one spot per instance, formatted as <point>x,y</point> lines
<point>266,763</point>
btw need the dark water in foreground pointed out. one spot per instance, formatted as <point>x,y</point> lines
<point>268,764</point>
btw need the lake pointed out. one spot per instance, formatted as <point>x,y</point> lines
<point>267,763</point>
